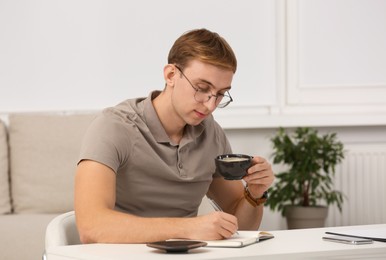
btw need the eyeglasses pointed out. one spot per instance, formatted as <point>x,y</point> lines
<point>204,95</point>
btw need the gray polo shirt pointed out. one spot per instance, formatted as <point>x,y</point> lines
<point>155,178</point>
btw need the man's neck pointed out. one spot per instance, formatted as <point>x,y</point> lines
<point>173,125</point>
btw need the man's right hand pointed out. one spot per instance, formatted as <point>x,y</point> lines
<point>213,226</point>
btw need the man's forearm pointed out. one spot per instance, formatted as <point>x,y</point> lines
<point>249,217</point>
<point>117,227</point>
<point>110,226</point>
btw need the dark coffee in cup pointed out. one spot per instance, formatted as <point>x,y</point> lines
<point>233,166</point>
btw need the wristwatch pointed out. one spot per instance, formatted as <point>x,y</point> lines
<point>255,201</point>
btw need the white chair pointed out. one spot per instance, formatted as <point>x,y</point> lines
<point>62,231</point>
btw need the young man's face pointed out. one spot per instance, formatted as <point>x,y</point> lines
<point>194,106</point>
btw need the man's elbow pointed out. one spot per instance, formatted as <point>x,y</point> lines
<point>87,235</point>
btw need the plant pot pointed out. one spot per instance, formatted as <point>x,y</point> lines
<point>305,217</point>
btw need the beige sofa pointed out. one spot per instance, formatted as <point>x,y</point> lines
<point>38,154</point>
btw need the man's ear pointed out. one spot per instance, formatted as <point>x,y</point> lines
<point>169,73</point>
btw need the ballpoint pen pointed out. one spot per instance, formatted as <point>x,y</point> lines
<point>218,208</point>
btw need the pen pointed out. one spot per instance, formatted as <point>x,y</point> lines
<point>217,208</point>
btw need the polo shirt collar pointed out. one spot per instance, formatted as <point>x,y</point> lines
<point>156,128</point>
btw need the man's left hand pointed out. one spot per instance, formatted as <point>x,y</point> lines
<point>259,177</point>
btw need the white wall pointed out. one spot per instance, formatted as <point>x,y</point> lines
<point>89,54</point>
<point>301,62</point>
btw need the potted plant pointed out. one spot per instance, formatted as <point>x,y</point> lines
<point>306,186</point>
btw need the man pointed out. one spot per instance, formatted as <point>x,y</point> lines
<point>146,163</point>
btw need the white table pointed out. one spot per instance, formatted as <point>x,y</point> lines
<point>287,244</point>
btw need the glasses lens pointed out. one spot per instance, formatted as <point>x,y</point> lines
<point>205,96</point>
<point>201,96</point>
<point>224,101</point>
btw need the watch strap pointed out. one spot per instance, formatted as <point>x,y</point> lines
<point>255,201</point>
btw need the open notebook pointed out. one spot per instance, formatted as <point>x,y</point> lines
<point>244,238</point>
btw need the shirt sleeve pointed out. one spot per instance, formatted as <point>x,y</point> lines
<point>106,141</point>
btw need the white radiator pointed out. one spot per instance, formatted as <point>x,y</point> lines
<point>362,179</point>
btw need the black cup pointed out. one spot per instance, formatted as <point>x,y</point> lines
<point>233,166</point>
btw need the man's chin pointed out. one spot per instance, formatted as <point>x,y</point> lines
<point>195,122</point>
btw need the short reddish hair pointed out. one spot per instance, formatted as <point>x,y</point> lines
<point>203,45</point>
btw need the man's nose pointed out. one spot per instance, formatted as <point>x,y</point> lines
<point>211,103</point>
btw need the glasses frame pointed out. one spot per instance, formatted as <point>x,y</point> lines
<point>219,105</point>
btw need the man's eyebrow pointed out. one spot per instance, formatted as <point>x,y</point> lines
<point>212,86</point>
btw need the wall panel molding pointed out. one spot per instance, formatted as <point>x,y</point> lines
<point>307,83</point>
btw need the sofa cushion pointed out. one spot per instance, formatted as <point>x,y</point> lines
<point>23,235</point>
<point>43,153</point>
<point>5,202</point>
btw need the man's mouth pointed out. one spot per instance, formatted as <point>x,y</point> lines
<point>199,114</point>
